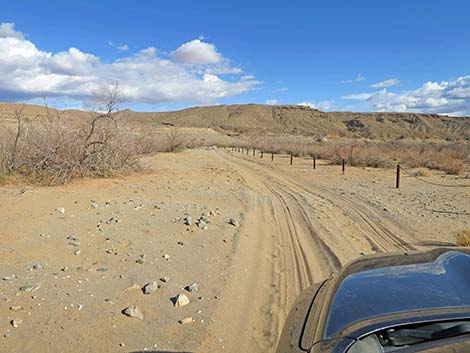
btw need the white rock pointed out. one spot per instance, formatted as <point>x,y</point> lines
<point>16,322</point>
<point>181,300</point>
<point>193,288</point>
<point>60,210</point>
<point>187,320</point>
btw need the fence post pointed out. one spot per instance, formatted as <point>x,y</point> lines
<point>398,176</point>
<point>262,152</point>
<point>314,162</point>
<point>343,165</point>
<point>254,152</point>
<point>247,151</point>
<point>291,158</point>
<point>272,156</point>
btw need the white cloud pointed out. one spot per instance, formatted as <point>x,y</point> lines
<point>197,52</point>
<point>120,47</point>
<point>123,47</point>
<point>322,105</point>
<point>358,96</point>
<point>272,102</point>
<point>72,62</point>
<point>145,77</point>
<point>447,97</point>
<point>358,78</point>
<point>223,69</point>
<point>7,30</point>
<point>387,83</point>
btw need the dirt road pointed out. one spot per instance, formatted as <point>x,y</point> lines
<point>297,227</point>
<point>288,245</point>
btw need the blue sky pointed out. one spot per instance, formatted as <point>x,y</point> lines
<point>336,55</point>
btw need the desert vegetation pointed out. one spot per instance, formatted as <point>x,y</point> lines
<point>450,157</point>
<point>463,238</point>
<point>53,149</point>
<point>56,147</point>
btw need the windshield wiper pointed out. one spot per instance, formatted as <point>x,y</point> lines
<point>416,335</point>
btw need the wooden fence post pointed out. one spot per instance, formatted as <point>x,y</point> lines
<point>343,165</point>
<point>262,152</point>
<point>314,162</point>
<point>291,158</point>
<point>254,152</point>
<point>272,156</point>
<point>398,177</point>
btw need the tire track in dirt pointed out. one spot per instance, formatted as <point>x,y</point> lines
<point>283,248</point>
<point>382,233</point>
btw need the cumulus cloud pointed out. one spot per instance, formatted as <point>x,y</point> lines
<point>144,77</point>
<point>387,83</point>
<point>197,52</point>
<point>272,102</point>
<point>358,78</point>
<point>322,105</point>
<point>72,62</point>
<point>447,97</point>
<point>7,30</point>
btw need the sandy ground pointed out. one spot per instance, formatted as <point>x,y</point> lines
<point>297,227</point>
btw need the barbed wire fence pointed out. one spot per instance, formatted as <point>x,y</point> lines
<point>399,169</point>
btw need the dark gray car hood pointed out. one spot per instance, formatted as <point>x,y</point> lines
<point>442,283</point>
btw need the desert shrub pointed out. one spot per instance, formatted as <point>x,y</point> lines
<point>463,238</point>
<point>52,150</point>
<point>59,151</point>
<point>172,141</point>
<point>452,167</point>
<point>444,156</point>
<point>421,172</point>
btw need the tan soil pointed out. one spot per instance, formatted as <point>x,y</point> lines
<point>297,227</point>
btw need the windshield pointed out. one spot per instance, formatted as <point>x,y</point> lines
<point>441,284</point>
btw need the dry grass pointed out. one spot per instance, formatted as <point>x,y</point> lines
<point>422,172</point>
<point>463,238</point>
<point>444,156</point>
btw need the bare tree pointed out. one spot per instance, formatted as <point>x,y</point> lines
<point>20,119</point>
<point>103,121</point>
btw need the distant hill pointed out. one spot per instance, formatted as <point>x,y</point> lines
<point>293,119</point>
<point>301,120</point>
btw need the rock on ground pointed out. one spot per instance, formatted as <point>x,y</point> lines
<point>150,287</point>
<point>186,320</point>
<point>181,300</point>
<point>234,222</point>
<point>192,288</point>
<point>133,311</point>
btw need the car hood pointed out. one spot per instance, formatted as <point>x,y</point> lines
<point>434,280</point>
